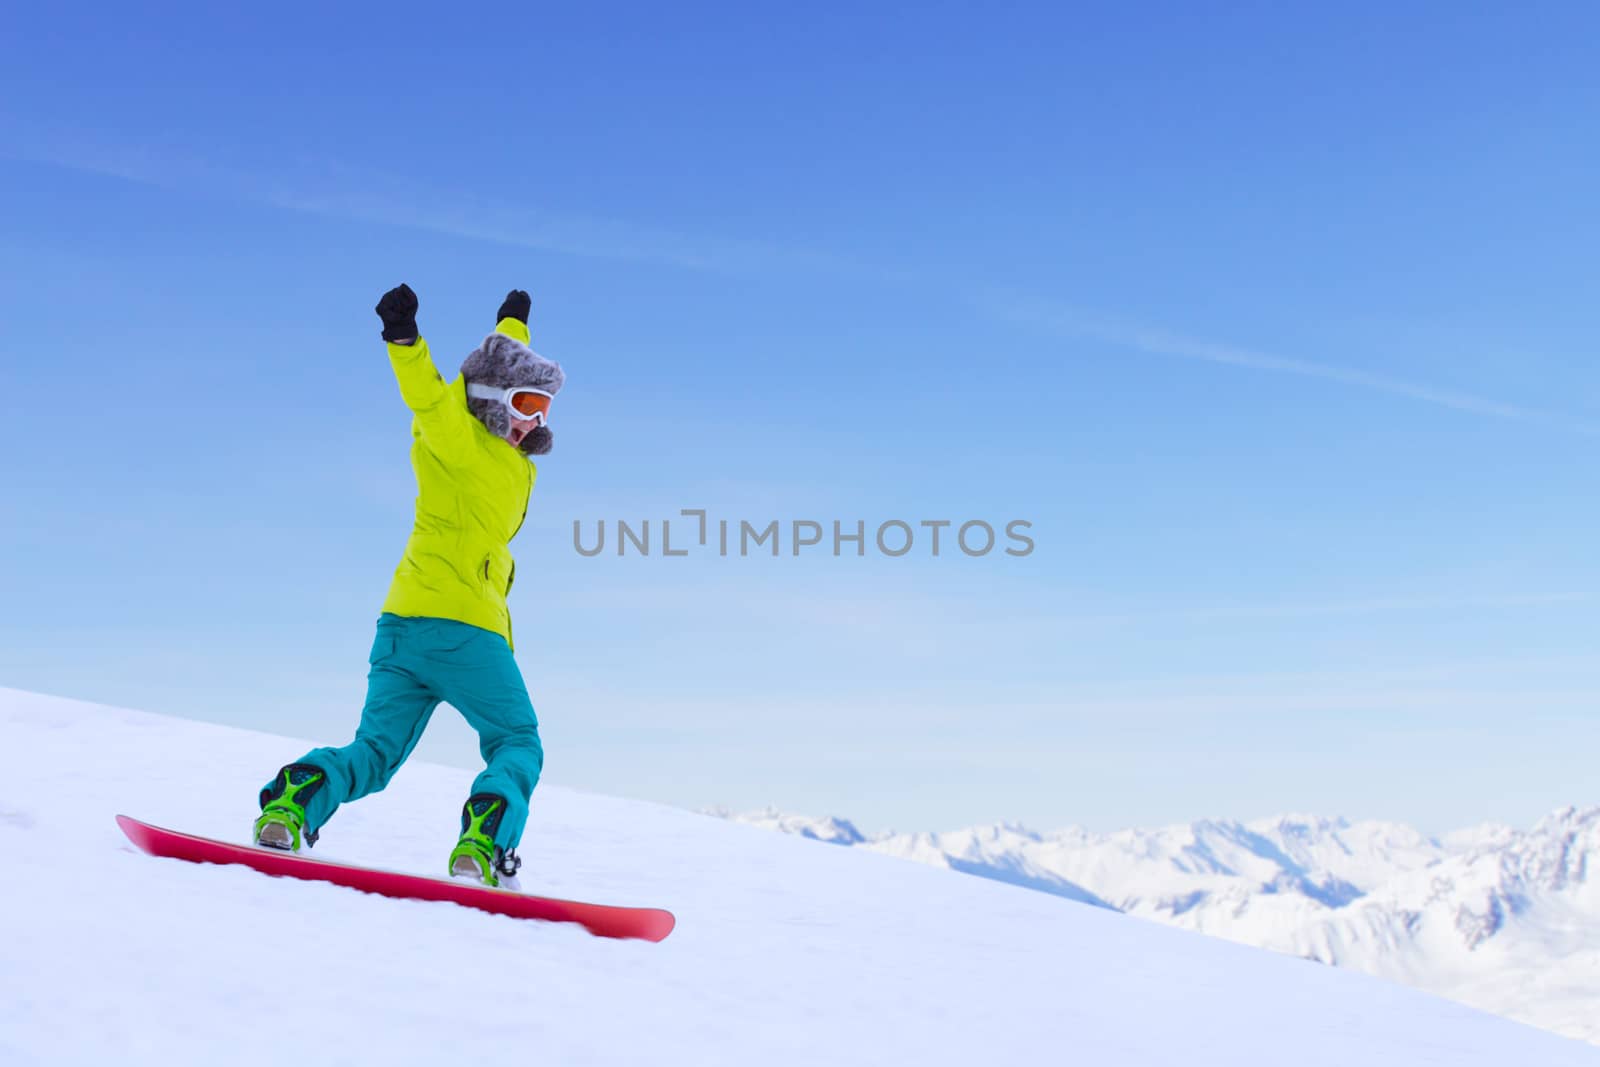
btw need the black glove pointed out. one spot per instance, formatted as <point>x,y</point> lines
<point>518,304</point>
<point>398,310</point>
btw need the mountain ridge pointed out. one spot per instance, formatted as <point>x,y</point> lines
<point>1482,914</point>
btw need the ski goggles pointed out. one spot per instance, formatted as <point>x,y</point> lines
<point>524,402</point>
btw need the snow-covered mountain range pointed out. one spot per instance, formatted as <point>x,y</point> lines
<point>1506,920</point>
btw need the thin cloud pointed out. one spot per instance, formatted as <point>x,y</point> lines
<point>1067,322</point>
<point>354,194</point>
<point>382,198</point>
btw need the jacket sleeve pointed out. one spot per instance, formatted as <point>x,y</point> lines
<point>515,329</point>
<point>440,417</point>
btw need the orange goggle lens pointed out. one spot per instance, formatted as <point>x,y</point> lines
<point>530,403</point>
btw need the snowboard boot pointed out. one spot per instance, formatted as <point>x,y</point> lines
<point>283,807</point>
<point>476,855</point>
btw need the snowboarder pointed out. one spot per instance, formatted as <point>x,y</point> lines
<point>445,630</point>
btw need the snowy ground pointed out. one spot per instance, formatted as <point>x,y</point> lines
<point>785,953</point>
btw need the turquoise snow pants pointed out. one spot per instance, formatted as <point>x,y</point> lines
<point>416,664</point>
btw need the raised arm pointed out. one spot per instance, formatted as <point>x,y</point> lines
<point>422,387</point>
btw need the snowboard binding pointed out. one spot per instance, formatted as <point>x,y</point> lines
<point>283,812</point>
<point>476,855</point>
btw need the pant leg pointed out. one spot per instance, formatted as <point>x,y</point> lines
<point>483,682</point>
<point>398,707</point>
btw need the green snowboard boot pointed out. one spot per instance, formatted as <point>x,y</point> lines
<point>283,811</point>
<point>476,855</point>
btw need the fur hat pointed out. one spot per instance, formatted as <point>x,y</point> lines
<point>504,362</point>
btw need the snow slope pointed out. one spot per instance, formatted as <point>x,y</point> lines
<point>1505,920</point>
<point>785,953</point>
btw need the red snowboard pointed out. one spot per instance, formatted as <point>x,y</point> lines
<point>649,924</point>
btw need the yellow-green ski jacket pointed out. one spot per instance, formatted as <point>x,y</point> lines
<point>472,495</point>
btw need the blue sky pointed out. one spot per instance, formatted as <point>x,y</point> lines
<point>1277,325</point>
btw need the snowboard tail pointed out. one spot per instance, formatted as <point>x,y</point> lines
<point>602,920</point>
